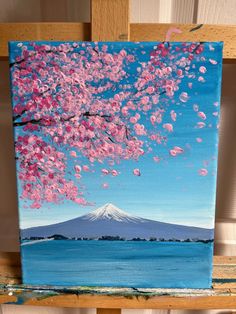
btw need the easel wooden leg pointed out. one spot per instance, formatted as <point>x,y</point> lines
<point>108,311</point>
<point>109,22</point>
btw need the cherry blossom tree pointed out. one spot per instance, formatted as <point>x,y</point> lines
<point>85,99</point>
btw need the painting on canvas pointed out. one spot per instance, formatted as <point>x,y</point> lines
<point>116,155</point>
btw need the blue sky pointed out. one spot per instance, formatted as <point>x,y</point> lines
<point>171,190</point>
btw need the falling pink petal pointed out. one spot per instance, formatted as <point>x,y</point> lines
<point>213,61</point>
<point>77,168</point>
<point>156,158</point>
<point>178,149</point>
<point>153,119</point>
<point>184,97</point>
<point>133,120</point>
<point>117,97</point>
<point>168,127</point>
<point>190,85</point>
<point>105,171</point>
<point>172,30</point>
<point>144,100</point>
<point>105,185</point>
<point>202,115</point>
<point>179,72</point>
<point>35,205</point>
<point>201,125</point>
<point>73,153</point>
<point>211,48</point>
<point>137,172</point>
<point>150,89</point>
<point>203,172</point>
<point>201,79</point>
<point>215,113</point>
<point>173,152</point>
<point>202,69</point>
<point>111,162</point>
<point>173,115</point>
<point>199,139</point>
<point>195,107</point>
<point>85,168</point>
<point>114,172</point>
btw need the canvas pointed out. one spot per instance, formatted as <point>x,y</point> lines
<point>116,155</point>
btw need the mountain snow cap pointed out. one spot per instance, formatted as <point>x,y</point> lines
<point>111,212</point>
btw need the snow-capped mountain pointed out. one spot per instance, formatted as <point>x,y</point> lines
<point>111,212</point>
<point>110,220</point>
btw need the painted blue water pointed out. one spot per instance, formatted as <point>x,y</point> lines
<point>118,263</point>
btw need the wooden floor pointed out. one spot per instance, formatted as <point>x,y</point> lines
<point>223,294</point>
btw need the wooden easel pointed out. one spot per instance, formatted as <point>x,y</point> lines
<point>110,22</point>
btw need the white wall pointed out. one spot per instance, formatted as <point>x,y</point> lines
<point>181,11</point>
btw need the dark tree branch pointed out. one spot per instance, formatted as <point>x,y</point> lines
<point>39,121</point>
<point>19,115</point>
<point>16,62</point>
<point>195,49</point>
<point>69,118</point>
<point>22,123</point>
<point>45,51</point>
<point>95,50</point>
<point>126,132</point>
<point>88,114</point>
<point>110,137</point>
<point>41,94</point>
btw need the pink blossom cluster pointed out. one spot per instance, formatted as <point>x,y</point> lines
<point>60,107</point>
<point>42,172</point>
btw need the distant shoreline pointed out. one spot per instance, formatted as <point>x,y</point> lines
<point>59,237</point>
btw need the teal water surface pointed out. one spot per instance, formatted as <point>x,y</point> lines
<point>118,263</point>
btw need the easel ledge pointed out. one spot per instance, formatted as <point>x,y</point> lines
<point>223,294</point>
